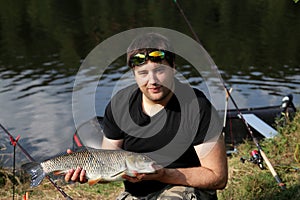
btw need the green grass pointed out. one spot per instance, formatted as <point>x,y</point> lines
<point>248,181</point>
<point>47,191</point>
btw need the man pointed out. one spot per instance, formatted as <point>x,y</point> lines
<point>173,123</point>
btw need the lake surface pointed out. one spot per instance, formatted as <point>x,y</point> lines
<point>255,45</point>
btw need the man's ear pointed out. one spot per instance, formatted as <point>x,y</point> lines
<point>132,69</point>
<point>174,69</point>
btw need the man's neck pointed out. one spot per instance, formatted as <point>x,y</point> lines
<point>153,107</point>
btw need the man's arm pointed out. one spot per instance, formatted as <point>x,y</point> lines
<point>111,144</point>
<point>212,174</point>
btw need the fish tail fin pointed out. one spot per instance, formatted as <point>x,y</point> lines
<point>36,171</point>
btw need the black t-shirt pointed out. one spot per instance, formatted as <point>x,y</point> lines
<point>167,137</point>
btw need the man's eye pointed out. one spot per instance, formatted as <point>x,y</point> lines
<point>142,73</point>
<point>160,69</point>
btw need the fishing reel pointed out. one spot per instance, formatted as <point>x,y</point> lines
<point>255,158</point>
<point>288,111</point>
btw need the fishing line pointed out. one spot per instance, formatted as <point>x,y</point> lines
<point>214,68</point>
<point>16,143</point>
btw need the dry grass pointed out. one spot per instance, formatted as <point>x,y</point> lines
<point>47,191</point>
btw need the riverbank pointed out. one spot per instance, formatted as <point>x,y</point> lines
<point>246,180</point>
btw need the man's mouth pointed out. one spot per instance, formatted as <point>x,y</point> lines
<point>154,89</point>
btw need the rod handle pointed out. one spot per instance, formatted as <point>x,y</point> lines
<point>271,168</point>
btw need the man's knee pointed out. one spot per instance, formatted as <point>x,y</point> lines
<point>186,193</point>
<point>178,193</point>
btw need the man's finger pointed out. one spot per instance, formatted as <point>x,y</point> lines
<point>76,174</point>
<point>82,177</point>
<point>135,179</point>
<point>69,175</point>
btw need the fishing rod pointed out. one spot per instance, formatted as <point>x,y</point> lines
<point>14,142</point>
<point>226,106</point>
<point>271,168</point>
<point>228,152</point>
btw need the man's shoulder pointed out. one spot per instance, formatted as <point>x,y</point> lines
<point>188,90</point>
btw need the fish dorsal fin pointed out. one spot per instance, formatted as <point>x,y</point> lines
<point>84,148</point>
<point>80,149</point>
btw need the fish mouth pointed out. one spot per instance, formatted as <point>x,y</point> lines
<point>156,167</point>
<point>153,167</point>
<point>149,169</point>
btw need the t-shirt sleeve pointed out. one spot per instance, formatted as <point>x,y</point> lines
<point>209,122</point>
<point>110,128</point>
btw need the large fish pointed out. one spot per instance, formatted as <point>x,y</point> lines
<point>100,165</point>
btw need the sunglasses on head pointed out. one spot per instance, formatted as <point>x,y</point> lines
<point>140,58</point>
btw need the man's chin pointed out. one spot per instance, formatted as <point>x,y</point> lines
<point>155,97</point>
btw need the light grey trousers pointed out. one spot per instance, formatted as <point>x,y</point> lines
<point>174,193</point>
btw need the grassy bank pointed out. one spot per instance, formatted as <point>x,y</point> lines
<point>246,180</point>
<point>47,191</point>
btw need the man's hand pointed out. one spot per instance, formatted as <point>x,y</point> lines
<point>140,177</point>
<point>77,175</point>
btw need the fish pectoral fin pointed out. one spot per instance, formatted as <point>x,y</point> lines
<point>94,181</point>
<point>120,173</point>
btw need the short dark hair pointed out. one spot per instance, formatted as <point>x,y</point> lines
<point>148,42</point>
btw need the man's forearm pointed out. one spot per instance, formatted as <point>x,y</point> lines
<point>199,177</point>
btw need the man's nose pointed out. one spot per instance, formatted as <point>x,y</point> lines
<point>152,77</point>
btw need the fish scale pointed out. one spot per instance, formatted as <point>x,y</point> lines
<point>100,165</point>
<point>91,161</point>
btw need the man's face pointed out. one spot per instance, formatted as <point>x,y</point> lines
<point>155,80</point>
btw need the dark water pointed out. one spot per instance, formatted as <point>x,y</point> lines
<point>255,45</point>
